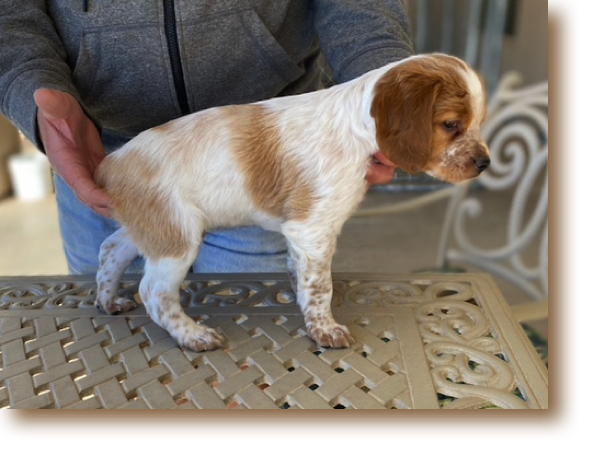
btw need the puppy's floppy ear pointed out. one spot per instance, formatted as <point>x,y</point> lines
<point>402,108</point>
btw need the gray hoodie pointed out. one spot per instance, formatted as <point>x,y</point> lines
<point>137,64</point>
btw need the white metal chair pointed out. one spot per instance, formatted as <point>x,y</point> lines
<point>517,133</point>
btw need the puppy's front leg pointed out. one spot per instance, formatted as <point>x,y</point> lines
<point>310,260</point>
<point>159,290</point>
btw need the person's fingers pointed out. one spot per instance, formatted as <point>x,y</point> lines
<point>53,104</point>
<point>92,196</point>
<point>382,159</point>
<point>86,190</point>
<point>378,173</point>
<point>380,170</point>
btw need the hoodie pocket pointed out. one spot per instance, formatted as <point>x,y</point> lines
<point>232,58</point>
<point>123,77</point>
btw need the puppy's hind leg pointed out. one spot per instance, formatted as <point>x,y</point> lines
<point>116,254</point>
<point>159,290</point>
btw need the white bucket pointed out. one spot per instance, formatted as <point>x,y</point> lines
<point>31,176</point>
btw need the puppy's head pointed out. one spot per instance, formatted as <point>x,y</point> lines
<point>428,111</point>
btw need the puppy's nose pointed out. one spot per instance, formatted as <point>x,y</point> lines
<point>482,163</point>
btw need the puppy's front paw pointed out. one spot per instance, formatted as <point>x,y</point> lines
<point>330,335</point>
<point>115,306</point>
<point>200,338</point>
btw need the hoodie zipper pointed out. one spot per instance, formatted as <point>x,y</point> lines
<point>174,55</point>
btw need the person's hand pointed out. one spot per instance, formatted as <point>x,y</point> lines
<point>72,145</point>
<point>380,170</point>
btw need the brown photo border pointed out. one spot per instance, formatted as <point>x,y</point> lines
<point>560,420</point>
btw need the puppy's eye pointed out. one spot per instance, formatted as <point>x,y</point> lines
<point>450,126</point>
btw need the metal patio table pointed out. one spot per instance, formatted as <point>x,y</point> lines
<point>424,341</point>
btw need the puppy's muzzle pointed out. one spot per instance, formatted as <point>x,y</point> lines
<point>482,163</point>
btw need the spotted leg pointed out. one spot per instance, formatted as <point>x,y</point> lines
<point>116,254</point>
<point>310,258</point>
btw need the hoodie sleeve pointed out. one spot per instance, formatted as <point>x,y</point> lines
<point>31,57</point>
<point>357,36</point>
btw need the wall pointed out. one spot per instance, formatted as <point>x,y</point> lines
<point>9,144</point>
<point>528,50</point>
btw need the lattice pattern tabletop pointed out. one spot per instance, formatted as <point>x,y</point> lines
<point>429,341</point>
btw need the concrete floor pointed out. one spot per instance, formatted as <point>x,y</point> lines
<point>30,241</point>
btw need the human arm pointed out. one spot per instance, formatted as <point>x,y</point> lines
<point>34,58</point>
<point>357,36</point>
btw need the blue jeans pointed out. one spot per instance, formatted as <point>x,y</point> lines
<point>240,250</point>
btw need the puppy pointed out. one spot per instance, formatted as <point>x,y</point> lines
<point>293,164</point>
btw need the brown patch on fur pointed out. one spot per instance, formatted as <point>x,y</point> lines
<point>273,178</point>
<point>165,128</point>
<point>140,207</point>
<point>410,104</point>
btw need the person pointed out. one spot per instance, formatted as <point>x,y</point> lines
<point>80,78</point>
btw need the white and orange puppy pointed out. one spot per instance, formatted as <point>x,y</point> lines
<point>295,165</point>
